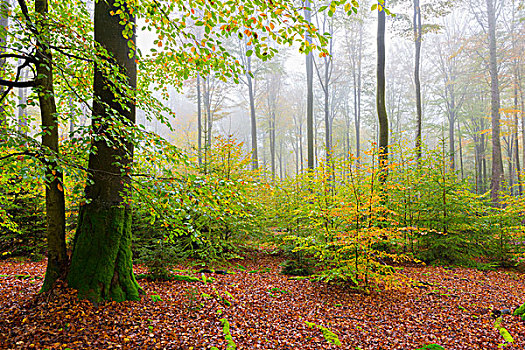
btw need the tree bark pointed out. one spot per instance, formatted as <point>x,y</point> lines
<point>57,259</point>
<point>380,95</point>
<point>272,142</point>
<point>199,119</point>
<point>309,94</point>
<point>101,265</point>
<point>22,101</point>
<point>451,123</point>
<point>253,117</point>
<point>460,150</point>
<point>497,162</point>
<point>417,40</point>
<point>357,95</point>
<point>4,8</point>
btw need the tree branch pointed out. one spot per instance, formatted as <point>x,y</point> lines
<point>17,84</point>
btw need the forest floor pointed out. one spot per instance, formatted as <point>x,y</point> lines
<point>265,310</point>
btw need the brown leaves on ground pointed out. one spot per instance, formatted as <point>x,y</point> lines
<point>265,310</point>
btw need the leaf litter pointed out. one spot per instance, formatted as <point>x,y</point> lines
<point>265,310</point>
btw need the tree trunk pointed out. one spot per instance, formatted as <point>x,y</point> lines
<point>380,97</point>
<point>101,266</point>
<point>516,142</point>
<point>328,130</point>
<point>301,145</point>
<point>460,151</point>
<point>272,142</point>
<point>22,101</point>
<point>199,119</point>
<point>57,259</point>
<point>452,121</point>
<point>357,96</point>
<point>309,94</point>
<point>209,114</point>
<point>4,19</point>
<point>253,118</point>
<point>417,39</point>
<point>207,110</point>
<point>281,159</point>
<point>497,163</point>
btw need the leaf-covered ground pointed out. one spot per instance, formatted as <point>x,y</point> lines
<point>265,310</point>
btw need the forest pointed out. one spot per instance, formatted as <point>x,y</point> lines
<point>262,174</point>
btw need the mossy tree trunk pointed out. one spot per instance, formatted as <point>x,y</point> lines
<point>101,265</point>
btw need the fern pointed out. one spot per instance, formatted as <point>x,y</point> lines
<point>227,335</point>
<point>328,335</point>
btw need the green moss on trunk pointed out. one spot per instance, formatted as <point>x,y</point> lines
<point>101,266</point>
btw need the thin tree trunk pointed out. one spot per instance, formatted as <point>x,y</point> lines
<point>281,159</point>
<point>22,101</point>
<point>452,123</point>
<point>206,98</point>
<point>357,116</point>
<point>380,97</point>
<point>301,146</point>
<point>4,22</point>
<point>477,164</point>
<point>57,259</point>
<point>253,119</point>
<point>328,130</point>
<point>199,119</point>
<point>209,114</point>
<point>417,39</point>
<point>460,151</point>
<point>271,133</point>
<point>309,94</point>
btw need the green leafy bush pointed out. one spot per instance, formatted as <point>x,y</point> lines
<point>203,212</point>
<point>26,236</point>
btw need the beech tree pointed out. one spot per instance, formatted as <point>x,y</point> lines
<point>380,93</point>
<point>417,28</point>
<point>309,94</point>
<point>55,201</point>
<point>497,161</point>
<point>325,71</point>
<point>4,19</point>
<point>101,265</point>
<point>40,58</point>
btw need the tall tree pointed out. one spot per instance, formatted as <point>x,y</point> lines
<point>497,162</point>
<point>22,101</point>
<point>309,93</point>
<point>101,265</point>
<point>4,19</point>
<point>273,82</point>
<point>354,44</point>
<point>199,120</point>
<point>326,24</point>
<point>57,259</point>
<point>380,93</point>
<point>246,59</point>
<point>417,59</point>
<point>253,117</point>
